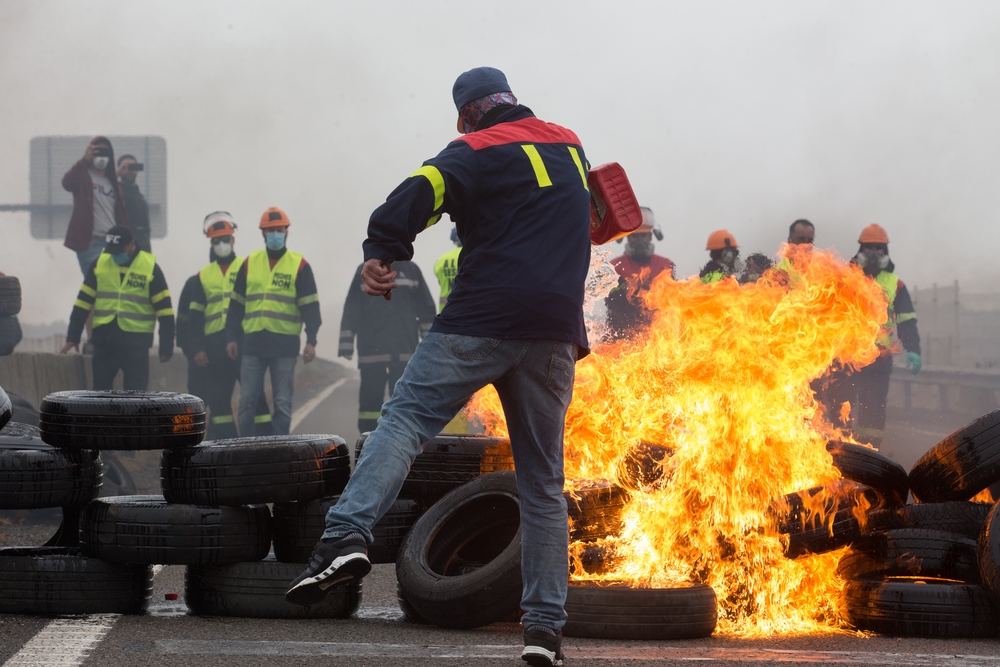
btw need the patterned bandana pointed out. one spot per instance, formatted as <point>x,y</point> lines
<point>473,112</point>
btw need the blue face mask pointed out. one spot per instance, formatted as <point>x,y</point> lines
<point>275,240</point>
<point>120,258</point>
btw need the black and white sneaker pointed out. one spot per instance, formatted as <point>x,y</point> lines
<point>542,646</point>
<point>331,564</point>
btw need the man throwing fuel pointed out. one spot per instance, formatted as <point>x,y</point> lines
<point>517,189</point>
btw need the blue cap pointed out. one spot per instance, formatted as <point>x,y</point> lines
<point>476,83</point>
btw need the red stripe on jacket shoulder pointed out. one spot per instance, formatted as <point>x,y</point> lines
<point>531,130</point>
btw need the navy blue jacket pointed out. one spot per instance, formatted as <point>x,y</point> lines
<point>517,191</point>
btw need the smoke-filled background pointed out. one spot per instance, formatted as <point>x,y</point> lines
<point>731,115</point>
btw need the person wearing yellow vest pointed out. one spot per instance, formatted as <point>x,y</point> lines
<point>205,332</point>
<point>446,268</point>
<point>127,293</point>
<point>868,388</point>
<point>273,297</point>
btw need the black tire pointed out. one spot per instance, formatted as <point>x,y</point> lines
<point>34,475</point>
<point>448,462</point>
<point>907,552</point>
<point>145,529</point>
<point>298,526</point>
<point>244,471</point>
<point>122,420</point>
<point>958,516</point>
<point>595,512</point>
<point>920,608</point>
<point>613,610</point>
<point>257,590</point>
<point>871,468</point>
<point>10,296</point>
<point>645,467</point>
<point>6,408</point>
<point>961,465</point>
<point>24,411</point>
<point>460,565</point>
<point>410,615</point>
<point>809,533</point>
<point>988,553</point>
<point>55,581</point>
<point>10,335</point>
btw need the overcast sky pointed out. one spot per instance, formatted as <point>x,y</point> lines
<point>733,115</point>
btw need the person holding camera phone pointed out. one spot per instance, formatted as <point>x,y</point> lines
<point>136,207</point>
<point>98,201</point>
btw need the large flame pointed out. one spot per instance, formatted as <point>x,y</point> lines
<point>722,378</point>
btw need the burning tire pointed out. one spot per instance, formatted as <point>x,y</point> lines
<point>460,566</point>
<point>122,420</point>
<point>595,511</point>
<point>34,475</point>
<point>299,525</point>
<point>257,590</point>
<point>958,516</point>
<point>10,296</point>
<point>448,462</point>
<point>617,611</point>
<point>643,468</point>
<point>145,529</point>
<point>244,471</point>
<point>871,468</point>
<point>811,532</point>
<point>961,465</point>
<point>921,608</point>
<point>55,581</point>
<point>914,553</point>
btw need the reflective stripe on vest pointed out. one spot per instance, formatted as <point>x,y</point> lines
<point>218,292</point>
<point>889,283</point>
<point>270,302</point>
<point>125,296</point>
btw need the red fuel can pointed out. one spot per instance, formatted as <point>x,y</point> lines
<point>614,210</point>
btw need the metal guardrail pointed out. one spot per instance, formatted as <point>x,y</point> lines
<point>963,391</point>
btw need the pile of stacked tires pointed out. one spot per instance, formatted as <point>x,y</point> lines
<point>10,306</point>
<point>927,569</point>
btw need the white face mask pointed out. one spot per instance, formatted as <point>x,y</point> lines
<point>223,249</point>
<point>100,163</point>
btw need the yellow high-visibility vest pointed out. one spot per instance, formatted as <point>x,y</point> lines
<point>446,268</point>
<point>890,283</point>
<point>218,288</point>
<point>271,303</point>
<point>123,293</point>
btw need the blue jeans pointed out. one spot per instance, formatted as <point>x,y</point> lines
<point>89,256</point>
<point>252,387</point>
<point>534,379</point>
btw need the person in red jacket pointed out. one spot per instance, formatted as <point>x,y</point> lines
<point>636,268</point>
<point>98,202</point>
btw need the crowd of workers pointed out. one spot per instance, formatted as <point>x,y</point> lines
<point>509,314</point>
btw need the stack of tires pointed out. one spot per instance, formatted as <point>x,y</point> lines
<point>10,306</point>
<point>58,578</point>
<point>932,569</point>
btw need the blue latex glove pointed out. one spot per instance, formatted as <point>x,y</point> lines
<point>914,361</point>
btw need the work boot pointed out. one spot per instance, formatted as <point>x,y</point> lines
<point>542,646</point>
<point>335,563</point>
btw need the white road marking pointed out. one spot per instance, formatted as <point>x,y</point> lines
<point>653,653</point>
<point>64,642</point>
<point>313,402</point>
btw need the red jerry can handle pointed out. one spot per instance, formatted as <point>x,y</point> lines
<point>614,210</point>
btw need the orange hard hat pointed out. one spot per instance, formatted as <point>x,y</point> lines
<point>219,224</point>
<point>274,217</point>
<point>720,240</point>
<point>873,234</point>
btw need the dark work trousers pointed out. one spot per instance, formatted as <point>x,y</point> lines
<point>133,363</point>
<point>221,376</point>
<point>867,391</point>
<point>374,380</point>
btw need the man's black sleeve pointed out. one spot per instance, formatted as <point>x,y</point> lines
<point>160,297</point>
<point>307,300</point>
<point>82,306</point>
<point>196,324</point>
<point>906,320</point>
<point>237,307</point>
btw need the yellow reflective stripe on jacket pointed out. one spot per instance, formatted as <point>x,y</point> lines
<point>123,293</point>
<point>306,300</point>
<point>436,180</point>
<point>218,288</point>
<point>541,173</point>
<point>575,154</point>
<point>88,290</point>
<point>905,317</point>
<point>889,282</point>
<point>271,303</point>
